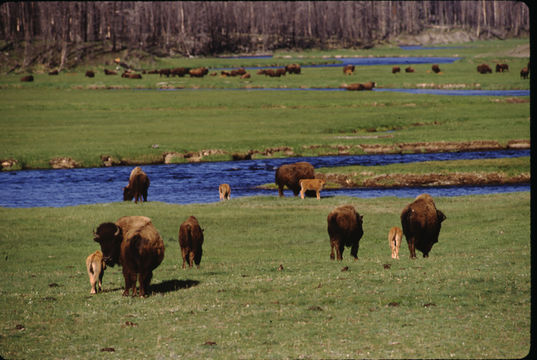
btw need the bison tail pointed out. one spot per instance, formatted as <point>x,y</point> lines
<point>91,269</point>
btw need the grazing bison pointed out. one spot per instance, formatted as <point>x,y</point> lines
<point>436,68</point>
<point>394,238</point>
<point>28,78</point>
<point>354,87</point>
<point>199,72</point>
<point>409,69</point>
<point>524,72</point>
<point>181,71</point>
<point>396,69</point>
<point>109,72</point>
<point>224,190</point>
<point>129,75</point>
<point>166,72</point>
<point>90,74</point>
<point>95,265</point>
<point>502,67</point>
<point>311,184</point>
<point>137,187</point>
<point>245,76</point>
<point>134,243</point>
<point>484,69</point>
<point>344,229</point>
<point>290,175</point>
<point>191,240</point>
<point>293,68</point>
<point>421,223</point>
<point>368,85</point>
<point>348,69</point>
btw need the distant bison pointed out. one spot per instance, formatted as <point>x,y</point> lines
<point>290,175</point>
<point>109,72</point>
<point>421,223</point>
<point>198,72</point>
<point>348,69</point>
<point>368,85</point>
<point>409,69</point>
<point>502,67</point>
<point>28,78</point>
<point>396,69</point>
<point>355,87</point>
<point>524,73</point>
<point>311,184</point>
<point>395,235</point>
<point>130,75</point>
<point>293,68</point>
<point>54,72</point>
<point>435,68</point>
<point>224,190</point>
<point>134,243</point>
<point>166,72</point>
<point>484,69</point>
<point>191,241</point>
<point>137,187</point>
<point>90,74</point>
<point>344,229</point>
<point>95,266</point>
<point>181,71</point>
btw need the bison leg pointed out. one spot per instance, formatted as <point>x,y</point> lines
<point>184,254</point>
<point>191,259</point>
<point>280,190</point>
<point>354,251</point>
<point>93,281</point>
<point>332,246</point>
<point>302,194</point>
<point>412,247</point>
<point>145,280</point>
<point>339,249</point>
<point>130,283</point>
<point>318,194</point>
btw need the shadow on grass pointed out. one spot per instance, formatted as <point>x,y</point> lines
<point>172,285</point>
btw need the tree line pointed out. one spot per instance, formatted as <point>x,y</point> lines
<point>52,30</point>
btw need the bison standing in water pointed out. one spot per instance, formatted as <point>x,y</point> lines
<point>134,243</point>
<point>344,229</point>
<point>137,187</point>
<point>421,223</point>
<point>290,175</point>
<point>191,240</point>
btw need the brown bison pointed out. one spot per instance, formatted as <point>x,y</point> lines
<point>134,243</point>
<point>368,85</point>
<point>409,69</point>
<point>224,190</point>
<point>290,175</point>
<point>109,72</point>
<point>524,72</point>
<point>181,71</point>
<point>293,68</point>
<point>54,72</point>
<point>166,72</point>
<point>502,67</point>
<point>435,68</point>
<point>137,187</point>
<point>348,69</point>
<point>191,240</point>
<point>354,87</point>
<point>396,69</point>
<point>90,74</point>
<point>129,75</point>
<point>198,72</point>
<point>312,185</point>
<point>246,76</point>
<point>344,229</point>
<point>484,69</point>
<point>95,266</point>
<point>28,78</point>
<point>421,223</point>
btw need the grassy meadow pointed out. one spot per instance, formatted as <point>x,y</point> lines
<point>469,299</point>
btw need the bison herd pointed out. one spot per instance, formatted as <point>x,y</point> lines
<point>134,243</point>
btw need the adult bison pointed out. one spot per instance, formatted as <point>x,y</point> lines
<point>396,69</point>
<point>191,240</point>
<point>348,69</point>
<point>436,68</point>
<point>134,243</point>
<point>484,69</point>
<point>137,187</point>
<point>293,68</point>
<point>421,223</point>
<point>290,175</point>
<point>344,229</point>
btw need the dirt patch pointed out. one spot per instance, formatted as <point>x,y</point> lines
<point>429,147</point>
<point>63,163</point>
<point>8,164</point>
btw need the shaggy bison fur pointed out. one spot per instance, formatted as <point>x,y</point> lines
<point>134,243</point>
<point>344,229</point>
<point>421,223</point>
<point>191,241</point>
<point>137,187</point>
<point>290,175</point>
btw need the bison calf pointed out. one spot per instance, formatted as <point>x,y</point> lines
<point>344,229</point>
<point>421,223</point>
<point>224,190</point>
<point>191,241</point>
<point>95,265</point>
<point>290,175</point>
<point>311,184</point>
<point>394,238</point>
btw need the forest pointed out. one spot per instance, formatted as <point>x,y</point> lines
<point>47,32</point>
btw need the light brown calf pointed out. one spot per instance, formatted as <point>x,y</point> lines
<point>394,238</point>
<point>225,191</point>
<point>95,266</point>
<point>311,184</point>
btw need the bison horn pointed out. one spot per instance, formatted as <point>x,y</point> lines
<point>117,231</point>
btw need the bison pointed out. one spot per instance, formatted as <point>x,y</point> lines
<point>181,71</point>
<point>90,74</point>
<point>344,229</point>
<point>502,67</point>
<point>396,69</point>
<point>95,266</point>
<point>409,69</point>
<point>354,87</point>
<point>290,175</point>
<point>28,78</point>
<point>348,69</point>
<point>524,72</point>
<point>191,240</point>
<point>54,72</point>
<point>137,187</point>
<point>368,85</point>
<point>224,190</point>
<point>134,243</point>
<point>484,69</point>
<point>395,235</point>
<point>312,185</point>
<point>109,72</point>
<point>198,72</point>
<point>293,68</point>
<point>421,223</point>
<point>436,68</point>
<point>166,72</point>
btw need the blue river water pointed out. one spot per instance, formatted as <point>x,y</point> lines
<point>198,182</point>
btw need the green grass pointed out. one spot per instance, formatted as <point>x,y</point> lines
<point>469,299</point>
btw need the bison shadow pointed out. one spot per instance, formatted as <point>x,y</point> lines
<point>172,285</point>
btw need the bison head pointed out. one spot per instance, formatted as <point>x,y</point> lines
<point>128,194</point>
<point>109,236</point>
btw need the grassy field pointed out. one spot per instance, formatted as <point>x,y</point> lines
<point>469,299</point>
